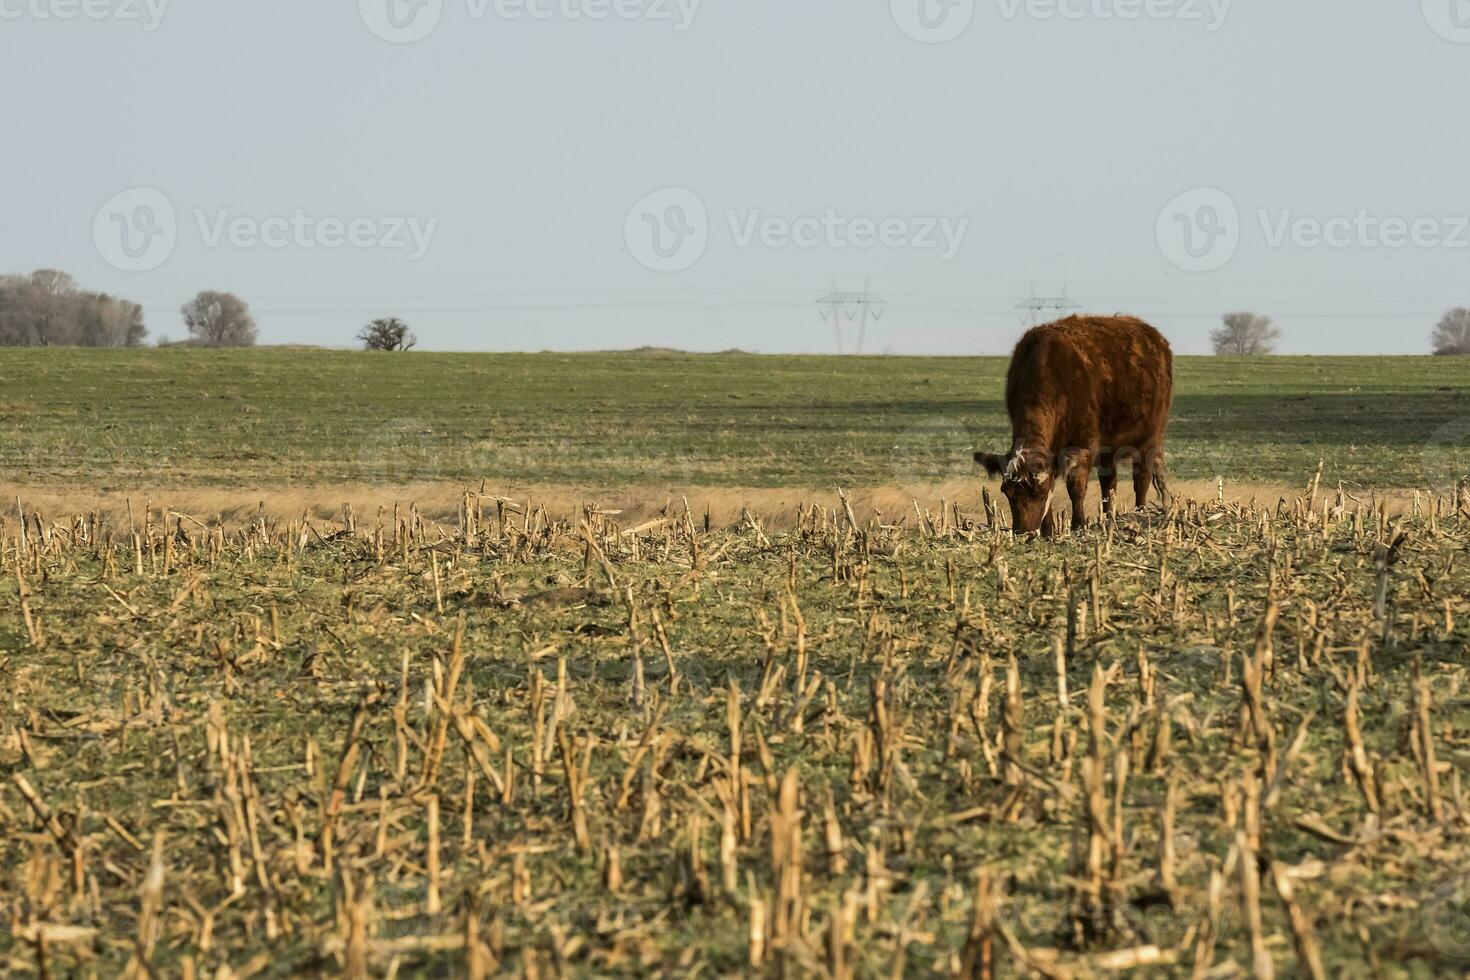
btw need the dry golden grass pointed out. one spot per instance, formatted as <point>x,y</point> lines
<point>441,501</point>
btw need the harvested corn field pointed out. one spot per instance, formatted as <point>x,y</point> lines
<point>1212,739</point>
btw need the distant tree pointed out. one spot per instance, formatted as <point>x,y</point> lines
<point>1245,333</point>
<point>388,333</point>
<point>103,321</point>
<point>218,319</point>
<point>48,309</point>
<point>1452,336</point>
<point>41,311</point>
<point>53,282</point>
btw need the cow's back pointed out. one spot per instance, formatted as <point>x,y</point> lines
<point>1107,379</point>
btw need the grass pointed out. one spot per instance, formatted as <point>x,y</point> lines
<point>280,417</point>
<point>522,744</point>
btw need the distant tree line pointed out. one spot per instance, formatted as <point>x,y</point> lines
<point>1251,333</point>
<point>48,309</point>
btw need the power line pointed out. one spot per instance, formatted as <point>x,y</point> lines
<point>1037,305</point>
<point>853,305</point>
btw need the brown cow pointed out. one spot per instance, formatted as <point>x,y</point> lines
<point>1082,392</point>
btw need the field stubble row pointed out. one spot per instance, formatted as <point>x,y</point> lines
<point>1215,738</point>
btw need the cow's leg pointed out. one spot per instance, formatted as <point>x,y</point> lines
<point>1143,475</point>
<point>1078,473</point>
<point>1107,475</point>
<point>1160,476</point>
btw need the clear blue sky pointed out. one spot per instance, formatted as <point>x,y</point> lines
<point>524,143</point>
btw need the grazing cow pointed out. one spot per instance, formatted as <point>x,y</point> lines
<point>1082,392</point>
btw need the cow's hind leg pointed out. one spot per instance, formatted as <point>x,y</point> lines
<point>1148,471</point>
<point>1107,475</point>
<point>1161,477</point>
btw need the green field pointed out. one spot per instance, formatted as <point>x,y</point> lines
<point>278,417</point>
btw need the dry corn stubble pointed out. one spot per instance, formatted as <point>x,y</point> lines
<point>547,743</point>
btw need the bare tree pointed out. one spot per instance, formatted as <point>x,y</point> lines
<point>1245,333</point>
<point>387,333</point>
<point>46,315</point>
<point>48,309</point>
<point>53,282</point>
<point>218,319</point>
<point>1452,336</point>
<point>104,321</point>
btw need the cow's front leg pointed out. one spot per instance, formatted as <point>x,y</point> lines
<point>1079,471</point>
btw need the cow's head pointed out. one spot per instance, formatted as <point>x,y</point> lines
<point>1027,480</point>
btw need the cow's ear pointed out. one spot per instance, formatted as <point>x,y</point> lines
<point>994,465</point>
<point>1074,460</point>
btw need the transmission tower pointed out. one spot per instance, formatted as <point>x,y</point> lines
<point>855,307</point>
<point>1034,306</point>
